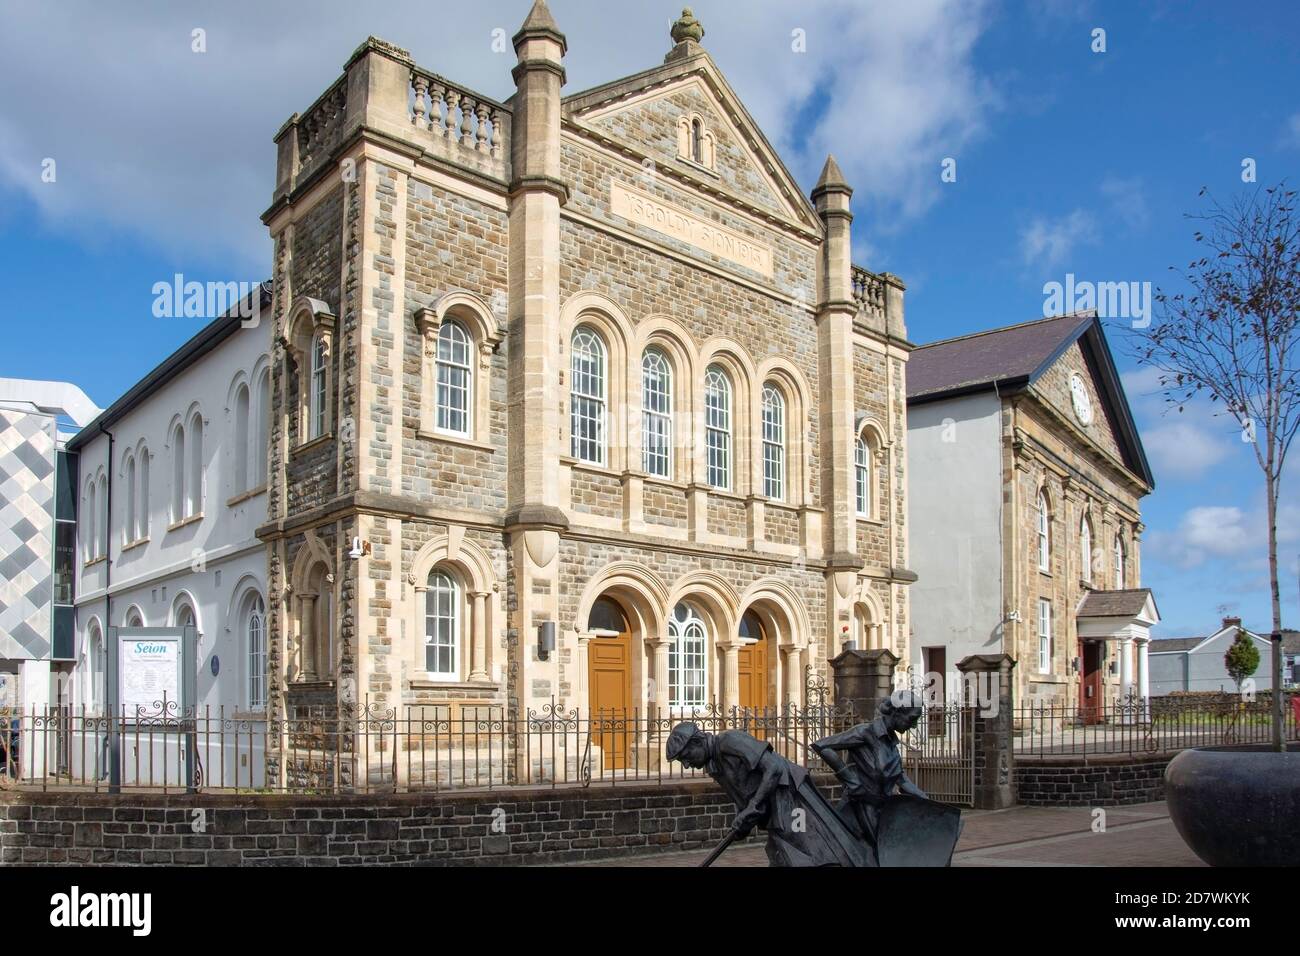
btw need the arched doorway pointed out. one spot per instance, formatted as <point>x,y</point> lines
<point>754,664</point>
<point>609,681</point>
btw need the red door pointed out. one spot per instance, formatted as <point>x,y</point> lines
<point>1090,707</point>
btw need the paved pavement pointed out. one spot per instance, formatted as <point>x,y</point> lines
<point>1141,835</point>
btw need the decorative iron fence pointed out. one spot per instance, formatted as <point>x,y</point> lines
<point>1135,724</point>
<point>378,750</point>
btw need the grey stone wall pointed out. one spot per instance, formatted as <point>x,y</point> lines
<point>1091,780</point>
<point>540,826</point>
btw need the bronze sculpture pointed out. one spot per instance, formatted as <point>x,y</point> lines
<point>772,793</point>
<point>883,818</point>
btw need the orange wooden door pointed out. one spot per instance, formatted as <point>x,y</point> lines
<point>609,678</point>
<point>752,668</point>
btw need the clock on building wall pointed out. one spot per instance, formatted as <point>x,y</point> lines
<point>1082,402</point>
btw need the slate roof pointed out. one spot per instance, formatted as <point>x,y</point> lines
<point>1013,357</point>
<point>1126,603</point>
<point>1167,644</point>
<point>1010,356</point>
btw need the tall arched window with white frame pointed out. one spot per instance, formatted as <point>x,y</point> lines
<point>1044,534</point>
<point>1085,549</point>
<point>91,543</point>
<point>261,429</point>
<point>255,650</point>
<point>178,473</point>
<point>687,657</point>
<point>442,611</point>
<point>101,542</point>
<point>773,443</point>
<point>96,657</point>
<point>142,505</point>
<point>862,476</point>
<point>1119,562</point>
<point>656,414</point>
<point>128,524</point>
<point>240,466</point>
<point>717,426</point>
<point>455,378</point>
<point>587,397</point>
<point>194,481</point>
<point>319,385</point>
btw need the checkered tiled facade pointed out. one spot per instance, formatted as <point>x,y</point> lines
<point>27,448</point>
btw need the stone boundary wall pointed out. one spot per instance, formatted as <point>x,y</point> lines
<point>541,826</point>
<point>1090,780</point>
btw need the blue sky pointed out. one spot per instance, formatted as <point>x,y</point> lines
<point>1068,161</point>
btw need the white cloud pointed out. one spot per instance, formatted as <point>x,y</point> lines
<point>1205,532</point>
<point>1291,131</point>
<point>1128,201</point>
<point>1047,242</point>
<point>1182,450</point>
<point>175,146</point>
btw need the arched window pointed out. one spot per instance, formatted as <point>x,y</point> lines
<point>319,384</point>
<point>128,524</point>
<point>687,654</point>
<point>1085,549</point>
<point>587,384</point>
<point>178,474</point>
<point>194,481</point>
<point>95,659</point>
<point>261,432</point>
<point>455,377</point>
<point>1044,534</point>
<point>101,539</point>
<point>697,140</point>
<point>606,617</point>
<point>142,506</point>
<point>240,465</point>
<point>1119,562</point>
<point>773,443</point>
<point>862,476</point>
<point>92,512</point>
<point>134,618</point>
<point>656,414</point>
<point>717,426</point>
<point>254,626</point>
<point>442,607</point>
<point>184,615</point>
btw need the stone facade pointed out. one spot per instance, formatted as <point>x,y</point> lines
<point>1080,470</point>
<point>410,215</point>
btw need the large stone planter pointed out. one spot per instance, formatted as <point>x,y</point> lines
<point>1237,806</point>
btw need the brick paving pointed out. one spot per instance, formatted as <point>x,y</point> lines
<point>1141,835</point>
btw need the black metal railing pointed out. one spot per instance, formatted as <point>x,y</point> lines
<point>1134,724</point>
<point>319,750</point>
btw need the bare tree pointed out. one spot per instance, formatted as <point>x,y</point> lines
<point>1232,338</point>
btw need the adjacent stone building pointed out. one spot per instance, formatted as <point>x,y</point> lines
<point>587,369</point>
<point>1027,474</point>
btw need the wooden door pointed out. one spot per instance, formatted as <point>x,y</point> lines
<point>936,667</point>
<point>1090,704</point>
<point>753,667</point>
<point>609,682</point>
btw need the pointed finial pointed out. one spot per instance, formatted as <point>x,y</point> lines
<point>539,22</point>
<point>687,27</point>
<point>831,175</point>
<point>539,18</point>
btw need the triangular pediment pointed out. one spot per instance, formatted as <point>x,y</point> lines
<point>1081,383</point>
<point>645,113</point>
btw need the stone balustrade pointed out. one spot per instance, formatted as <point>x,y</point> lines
<point>383,91</point>
<point>868,292</point>
<point>459,124</point>
<point>320,127</point>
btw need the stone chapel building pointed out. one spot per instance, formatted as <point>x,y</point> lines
<point>575,398</point>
